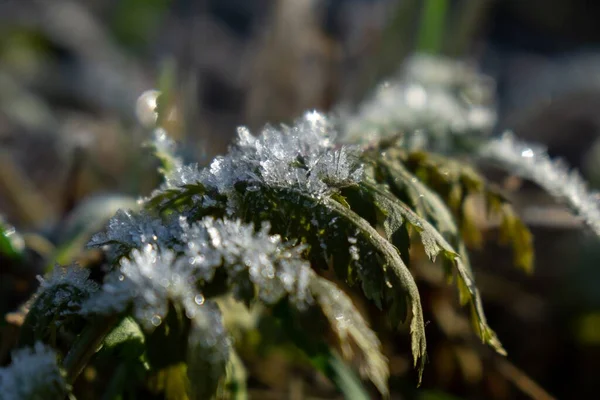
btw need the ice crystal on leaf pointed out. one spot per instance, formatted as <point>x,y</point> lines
<point>152,276</point>
<point>33,374</point>
<point>129,229</point>
<point>302,157</point>
<point>533,163</point>
<point>275,269</point>
<point>149,279</point>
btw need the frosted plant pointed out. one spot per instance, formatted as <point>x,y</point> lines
<point>33,375</point>
<point>149,278</point>
<point>165,150</point>
<point>276,270</point>
<point>128,229</point>
<point>303,157</point>
<point>434,102</point>
<point>152,276</point>
<point>68,288</point>
<point>533,163</point>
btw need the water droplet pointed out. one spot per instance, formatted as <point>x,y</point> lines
<point>121,278</point>
<point>199,299</point>
<point>156,320</point>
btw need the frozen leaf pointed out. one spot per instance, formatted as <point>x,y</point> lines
<point>33,374</point>
<point>149,279</point>
<point>128,229</point>
<point>326,225</point>
<point>533,163</point>
<point>57,303</point>
<point>165,150</point>
<point>274,268</point>
<point>396,214</point>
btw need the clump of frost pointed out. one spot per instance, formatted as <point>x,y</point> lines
<point>301,157</point>
<point>64,291</point>
<point>275,269</point>
<point>151,276</point>
<point>434,101</point>
<point>533,163</point>
<point>33,374</point>
<point>130,229</point>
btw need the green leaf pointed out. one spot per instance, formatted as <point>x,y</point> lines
<point>425,202</point>
<point>235,382</point>
<point>322,357</point>
<point>11,243</point>
<point>328,226</point>
<point>352,331</point>
<point>434,244</point>
<point>514,232</point>
<point>126,341</point>
<point>167,344</point>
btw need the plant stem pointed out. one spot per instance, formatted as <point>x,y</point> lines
<point>432,26</point>
<point>86,345</point>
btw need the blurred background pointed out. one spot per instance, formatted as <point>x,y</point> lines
<point>71,129</point>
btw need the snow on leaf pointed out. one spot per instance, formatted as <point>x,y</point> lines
<point>128,229</point>
<point>17,382</point>
<point>533,163</point>
<point>274,268</point>
<point>56,303</point>
<point>148,279</point>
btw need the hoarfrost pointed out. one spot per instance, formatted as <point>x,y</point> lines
<point>533,163</point>
<point>69,288</point>
<point>151,276</point>
<point>17,381</point>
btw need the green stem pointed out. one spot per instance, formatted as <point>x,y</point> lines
<point>432,26</point>
<point>87,344</point>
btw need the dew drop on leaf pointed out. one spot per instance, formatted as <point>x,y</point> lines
<point>156,320</point>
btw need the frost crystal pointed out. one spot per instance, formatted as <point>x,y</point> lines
<point>130,229</point>
<point>152,276</point>
<point>275,269</point>
<point>33,374</point>
<point>149,278</point>
<point>434,100</point>
<point>532,162</point>
<point>302,157</point>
